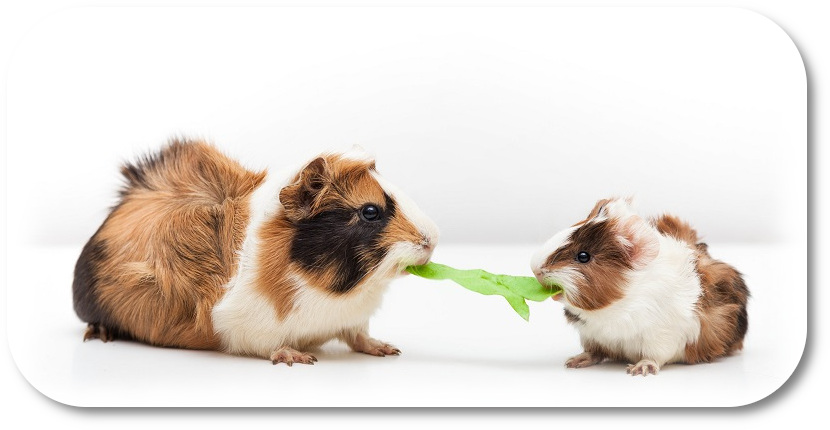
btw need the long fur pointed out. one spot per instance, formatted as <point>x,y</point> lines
<point>203,253</point>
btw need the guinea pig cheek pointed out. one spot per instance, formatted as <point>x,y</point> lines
<point>567,278</point>
<point>406,245</point>
<point>410,230</point>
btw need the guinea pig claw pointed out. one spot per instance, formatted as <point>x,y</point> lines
<point>367,345</point>
<point>90,333</point>
<point>290,356</point>
<point>643,367</point>
<point>584,360</point>
<point>98,331</point>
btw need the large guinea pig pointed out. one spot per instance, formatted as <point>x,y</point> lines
<point>643,291</point>
<point>202,253</point>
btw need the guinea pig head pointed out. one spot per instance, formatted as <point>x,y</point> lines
<point>349,225</point>
<point>592,259</point>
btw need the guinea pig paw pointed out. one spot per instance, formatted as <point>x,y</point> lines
<point>643,367</point>
<point>584,360</point>
<point>97,331</point>
<point>290,356</point>
<point>377,348</point>
<point>385,350</point>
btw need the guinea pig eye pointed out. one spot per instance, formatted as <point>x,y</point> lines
<point>370,213</point>
<point>583,257</point>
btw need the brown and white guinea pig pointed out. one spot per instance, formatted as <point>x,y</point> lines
<point>202,253</point>
<point>643,291</point>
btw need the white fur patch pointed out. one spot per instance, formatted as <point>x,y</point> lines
<point>619,208</point>
<point>568,278</point>
<point>250,326</point>
<point>656,317</point>
<point>242,317</point>
<point>358,153</point>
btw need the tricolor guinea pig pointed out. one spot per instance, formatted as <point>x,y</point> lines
<point>644,291</point>
<point>203,253</point>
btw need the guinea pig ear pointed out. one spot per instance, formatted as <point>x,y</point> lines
<point>299,198</point>
<point>639,240</point>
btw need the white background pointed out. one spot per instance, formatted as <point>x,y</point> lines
<point>576,191</point>
<point>505,124</point>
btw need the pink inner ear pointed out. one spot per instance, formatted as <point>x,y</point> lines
<point>643,243</point>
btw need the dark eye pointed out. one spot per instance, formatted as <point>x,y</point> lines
<point>583,257</point>
<point>370,213</point>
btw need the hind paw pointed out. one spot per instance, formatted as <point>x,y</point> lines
<point>97,331</point>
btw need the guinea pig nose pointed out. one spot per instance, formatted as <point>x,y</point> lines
<point>426,243</point>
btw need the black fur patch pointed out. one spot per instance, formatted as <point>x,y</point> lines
<point>85,284</point>
<point>136,173</point>
<point>572,317</point>
<point>740,294</point>
<point>333,240</point>
<point>86,300</point>
<point>743,324</point>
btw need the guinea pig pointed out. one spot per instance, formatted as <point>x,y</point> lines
<point>645,291</point>
<point>202,253</point>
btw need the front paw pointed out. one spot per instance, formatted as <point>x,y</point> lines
<point>290,356</point>
<point>643,367</point>
<point>377,348</point>
<point>584,360</point>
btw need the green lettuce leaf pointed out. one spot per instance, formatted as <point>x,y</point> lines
<point>515,289</point>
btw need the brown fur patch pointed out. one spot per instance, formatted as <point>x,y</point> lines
<point>597,208</point>
<point>602,277</point>
<point>721,309</point>
<point>171,244</point>
<point>594,212</point>
<point>400,229</point>
<point>274,280</point>
<point>330,182</point>
<point>673,226</point>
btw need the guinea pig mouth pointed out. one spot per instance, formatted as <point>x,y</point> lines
<point>419,262</point>
<point>545,279</point>
<point>416,255</point>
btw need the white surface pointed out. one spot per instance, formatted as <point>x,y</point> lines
<point>459,349</point>
<point>801,398</point>
<point>482,115</point>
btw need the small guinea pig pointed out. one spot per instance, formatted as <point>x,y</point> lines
<point>643,291</point>
<point>202,253</point>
